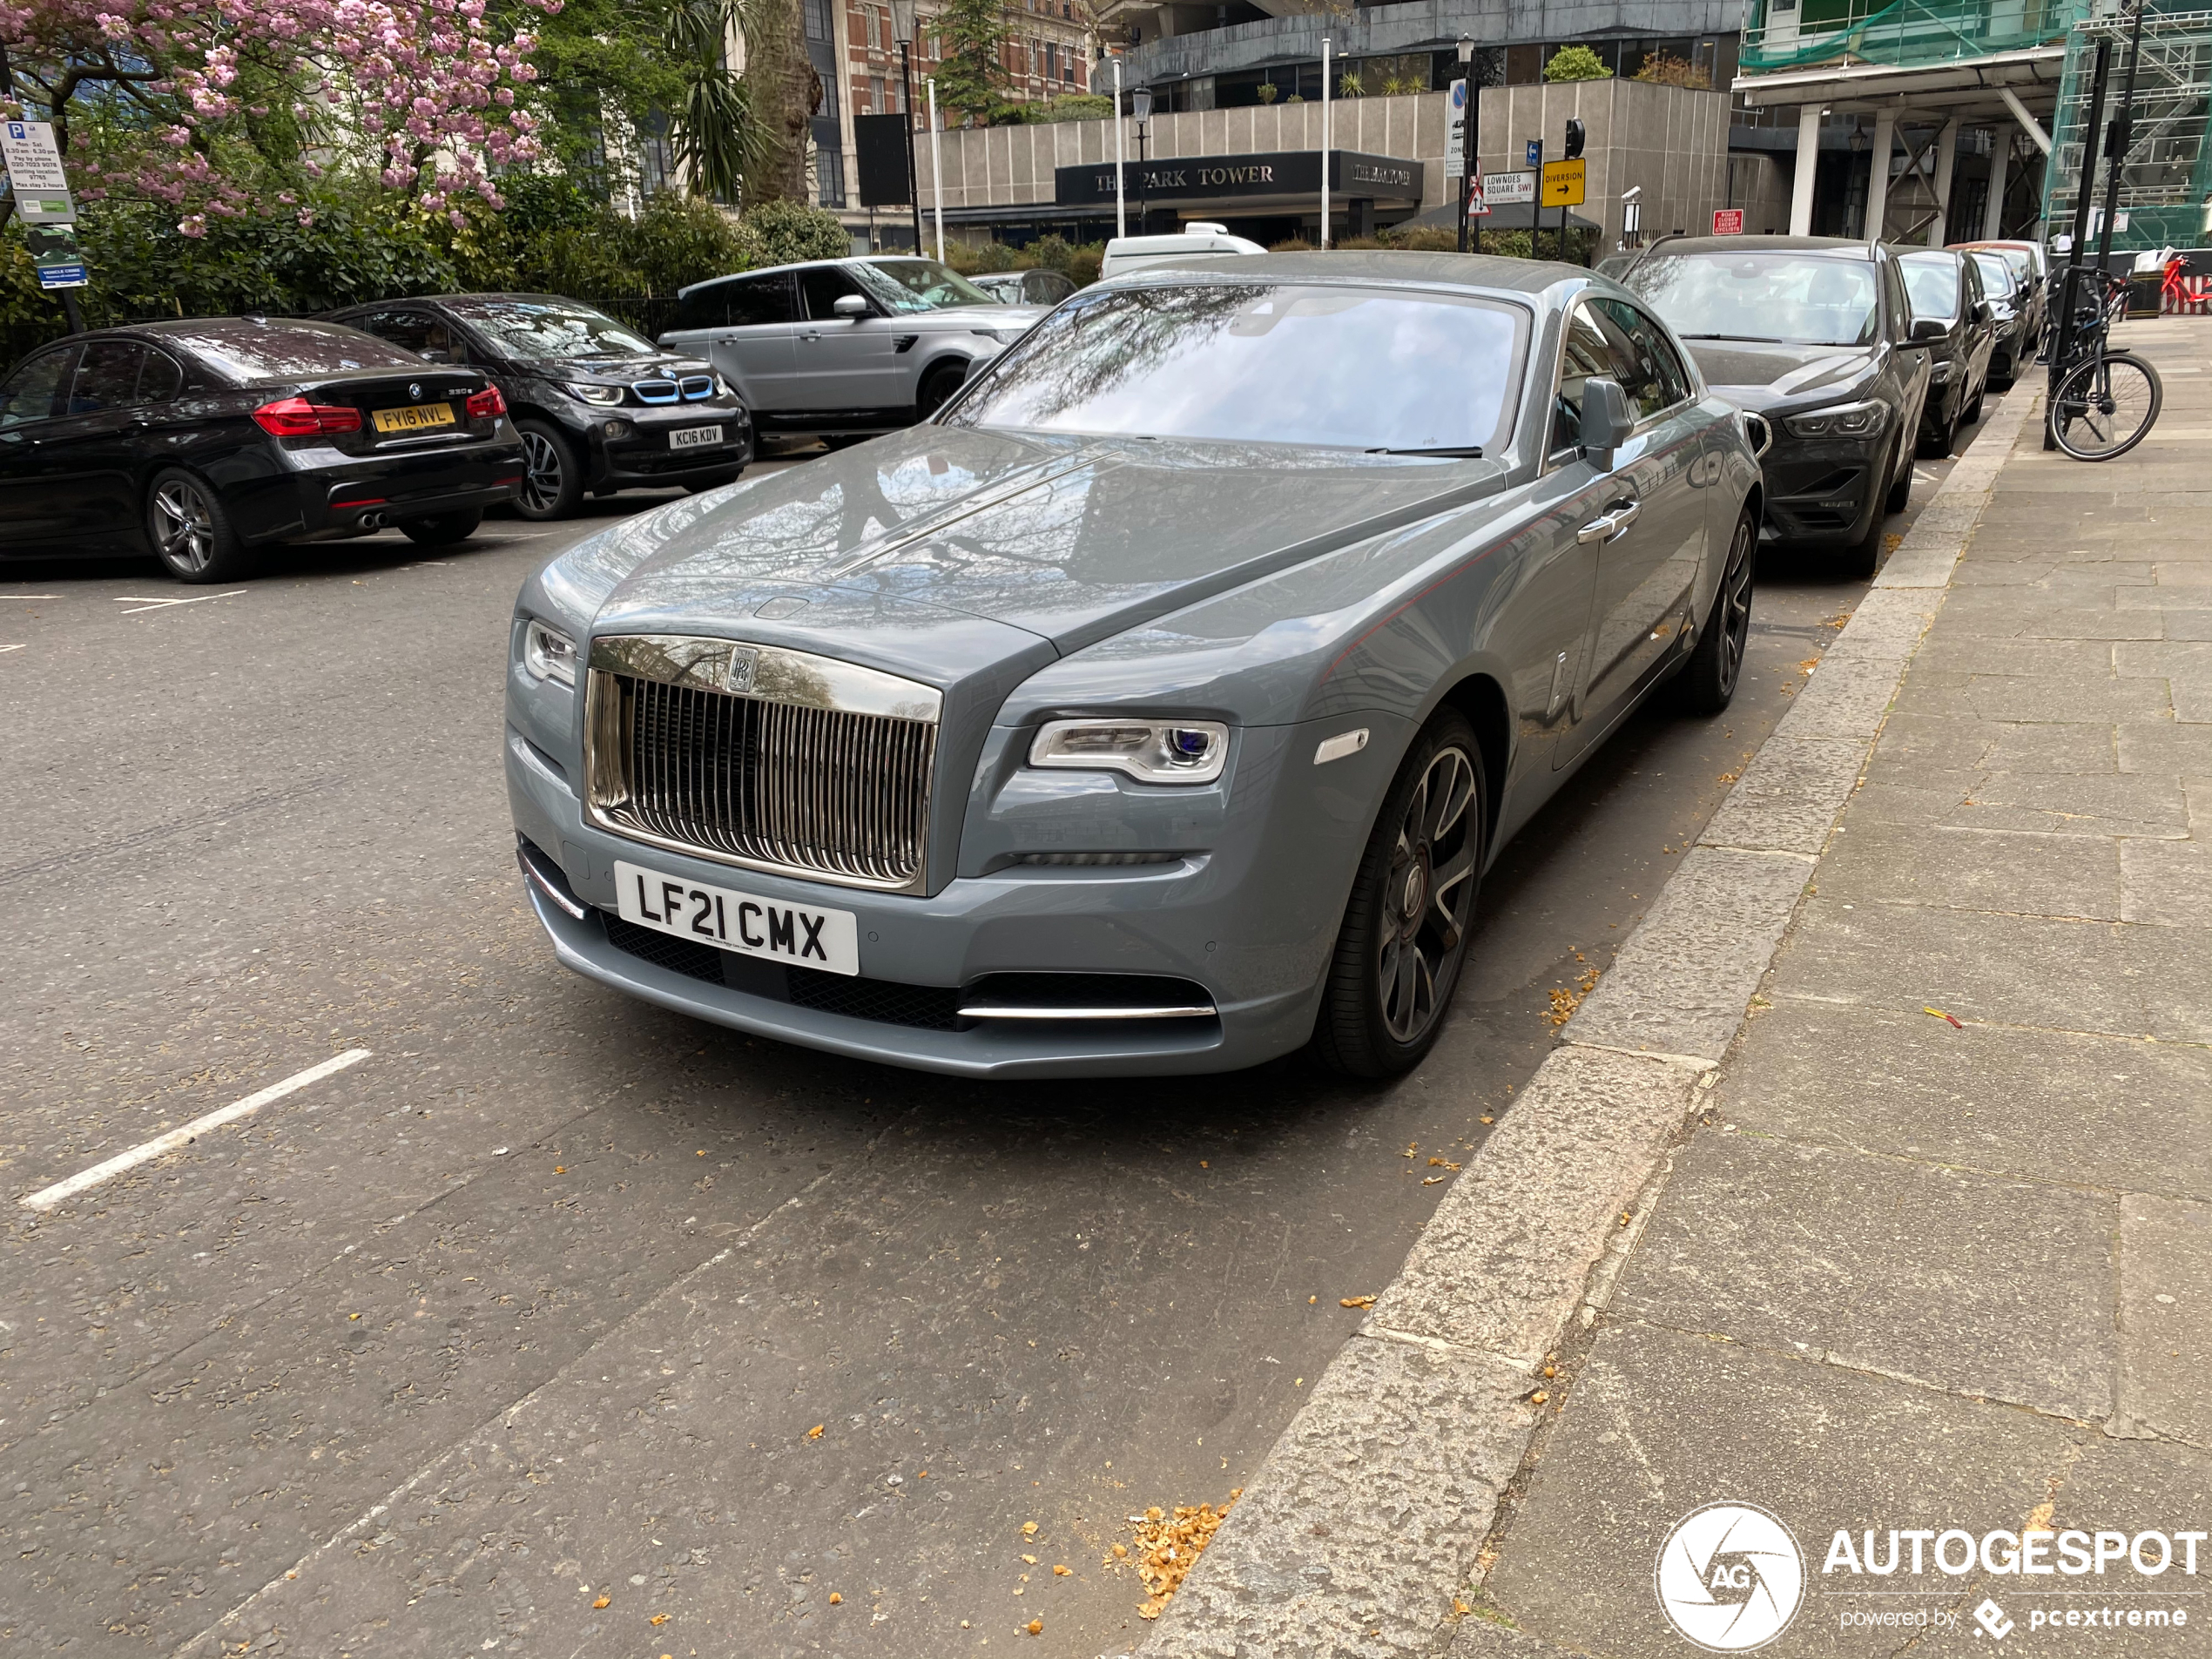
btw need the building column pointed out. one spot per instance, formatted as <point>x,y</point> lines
<point>1878,174</point>
<point>2000,158</point>
<point>1808,168</point>
<point>1946,158</point>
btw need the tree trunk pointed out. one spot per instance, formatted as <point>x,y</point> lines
<point>787,91</point>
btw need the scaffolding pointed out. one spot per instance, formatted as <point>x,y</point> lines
<point>2166,178</point>
<point>1909,34</point>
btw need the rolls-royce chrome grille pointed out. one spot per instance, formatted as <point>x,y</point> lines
<point>757,756</point>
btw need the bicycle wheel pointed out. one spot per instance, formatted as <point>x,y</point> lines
<point>2104,407</point>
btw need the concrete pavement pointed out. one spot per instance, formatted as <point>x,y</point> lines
<point>1910,1271</point>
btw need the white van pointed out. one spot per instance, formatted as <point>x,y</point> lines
<point>1194,242</point>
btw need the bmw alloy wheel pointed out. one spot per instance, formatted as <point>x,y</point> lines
<point>540,490</point>
<point>1427,894</point>
<point>184,526</point>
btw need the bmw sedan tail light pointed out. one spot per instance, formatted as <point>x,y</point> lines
<point>487,403</point>
<point>294,417</point>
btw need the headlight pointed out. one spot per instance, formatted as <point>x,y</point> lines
<point>722,387</point>
<point>1153,752</point>
<point>1845,420</point>
<point>549,654</point>
<point>605,396</point>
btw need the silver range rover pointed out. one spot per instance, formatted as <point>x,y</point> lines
<point>1158,704</point>
<point>844,349</point>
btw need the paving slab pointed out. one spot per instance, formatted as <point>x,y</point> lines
<point>1974,1283</point>
<point>2166,883</point>
<point>1942,867</point>
<point>1787,798</point>
<point>2165,1319</point>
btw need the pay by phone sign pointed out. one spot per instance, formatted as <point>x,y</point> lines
<point>34,164</point>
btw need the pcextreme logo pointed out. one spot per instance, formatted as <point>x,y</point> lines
<point>1730,1577</point>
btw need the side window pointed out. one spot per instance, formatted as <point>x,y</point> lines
<point>762,299</point>
<point>1584,355</point>
<point>161,379</point>
<point>702,307</point>
<point>1659,370</point>
<point>107,376</point>
<point>823,287</point>
<point>1640,375</point>
<point>33,391</point>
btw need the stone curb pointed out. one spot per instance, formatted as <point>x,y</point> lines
<point>1364,1519</point>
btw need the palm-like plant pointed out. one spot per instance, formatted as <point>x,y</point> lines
<point>718,141</point>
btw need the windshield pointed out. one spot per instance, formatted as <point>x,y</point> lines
<point>1932,283</point>
<point>532,329</point>
<point>245,350</point>
<point>1365,369</point>
<point>1800,299</point>
<point>918,285</point>
<point>1996,274</point>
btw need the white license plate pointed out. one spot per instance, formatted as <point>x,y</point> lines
<point>695,437</point>
<point>743,923</point>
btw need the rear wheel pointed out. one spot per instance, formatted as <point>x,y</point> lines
<point>190,532</point>
<point>552,476</point>
<point>442,529</point>
<point>1938,443</point>
<point>1405,933</point>
<point>1708,681</point>
<point>2104,407</point>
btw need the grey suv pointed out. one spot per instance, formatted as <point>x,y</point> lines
<point>844,348</point>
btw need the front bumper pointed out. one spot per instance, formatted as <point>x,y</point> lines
<point>1152,921</point>
<point>630,447</point>
<point>1822,491</point>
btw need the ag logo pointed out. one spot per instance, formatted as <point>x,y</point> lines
<point>1730,1577</point>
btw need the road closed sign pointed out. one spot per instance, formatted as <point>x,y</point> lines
<point>1728,221</point>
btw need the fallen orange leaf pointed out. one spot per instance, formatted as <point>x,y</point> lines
<point>1355,1301</point>
<point>602,1602</point>
<point>815,1433</point>
<point>835,1601</point>
<point>1035,1627</point>
<point>661,1618</point>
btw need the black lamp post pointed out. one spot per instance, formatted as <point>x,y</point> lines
<point>902,19</point>
<point>1140,105</point>
<point>1468,179</point>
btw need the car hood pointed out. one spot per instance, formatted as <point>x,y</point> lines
<point>991,316</point>
<point>1754,375</point>
<point>620,371</point>
<point>1067,539</point>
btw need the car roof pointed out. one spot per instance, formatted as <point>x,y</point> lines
<point>809,265</point>
<point>1842,246</point>
<point>1485,271</point>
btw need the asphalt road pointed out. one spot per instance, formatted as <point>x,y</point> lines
<point>558,1324</point>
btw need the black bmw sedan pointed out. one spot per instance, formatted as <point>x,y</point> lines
<point>600,408</point>
<point>195,441</point>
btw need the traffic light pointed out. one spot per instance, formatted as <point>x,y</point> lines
<point>1574,139</point>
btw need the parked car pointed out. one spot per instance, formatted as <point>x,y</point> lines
<point>1037,288</point>
<point>1815,335</point>
<point>2008,300</point>
<point>1158,704</point>
<point>1196,241</point>
<point>844,349</point>
<point>195,441</point>
<point>2031,265</point>
<point>599,406</point>
<point>1943,285</point>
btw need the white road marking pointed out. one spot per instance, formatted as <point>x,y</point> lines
<point>57,596</point>
<point>47,1197</point>
<point>9,648</point>
<point>146,603</point>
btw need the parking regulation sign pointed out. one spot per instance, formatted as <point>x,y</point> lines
<point>1728,221</point>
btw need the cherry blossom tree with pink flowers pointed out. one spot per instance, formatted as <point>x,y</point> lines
<point>223,110</point>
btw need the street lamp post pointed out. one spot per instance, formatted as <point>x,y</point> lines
<point>1121,213</point>
<point>1468,179</point>
<point>1140,105</point>
<point>903,20</point>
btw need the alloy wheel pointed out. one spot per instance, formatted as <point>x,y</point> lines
<point>1735,618</point>
<point>540,490</point>
<point>184,526</point>
<point>1427,895</point>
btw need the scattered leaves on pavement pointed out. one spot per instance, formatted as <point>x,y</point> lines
<point>1442,1164</point>
<point>835,1601</point>
<point>1355,1301</point>
<point>1028,1529</point>
<point>1168,1546</point>
<point>602,1602</point>
<point>815,1433</point>
<point>1030,1559</point>
<point>1035,1627</point>
<point>1564,1001</point>
<point>1059,1571</point>
<point>661,1618</point>
<point>1940,1014</point>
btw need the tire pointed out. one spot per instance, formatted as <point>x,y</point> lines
<point>1939,444</point>
<point>939,385</point>
<point>188,529</point>
<point>1707,683</point>
<point>2133,387</point>
<point>552,476</point>
<point>700,486</point>
<point>1860,560</point>
<point>1900,490</point>
<point>837,441</point>
<point>1391,978</point>
<point>442,529</point>
<point>1973,409</point>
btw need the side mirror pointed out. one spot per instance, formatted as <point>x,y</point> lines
<point>851,306</point>
<point>1607,421</point>
<point>1925,330</point>
<point>1984,311</point>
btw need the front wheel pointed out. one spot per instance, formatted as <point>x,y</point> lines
<point>1405,933</point>
<point>942,382</point>
<point>2104,406</point>
<point>191,534</point>
<point>442,529</point>
<point>552,476</point>
<point>1708,679</point>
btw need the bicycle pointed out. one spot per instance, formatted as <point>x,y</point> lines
<point>2107,399</point>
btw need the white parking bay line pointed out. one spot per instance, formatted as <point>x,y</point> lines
<point>47,1197</point>
<point>142,603</point>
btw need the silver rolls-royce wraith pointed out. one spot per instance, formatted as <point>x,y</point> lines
<point>1157,705</point>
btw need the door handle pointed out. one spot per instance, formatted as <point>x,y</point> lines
<point>811,334</point>
<point>1611,524</point>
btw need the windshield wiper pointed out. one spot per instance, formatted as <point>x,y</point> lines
<point>1468,450</point>
<point>1756,340</point>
